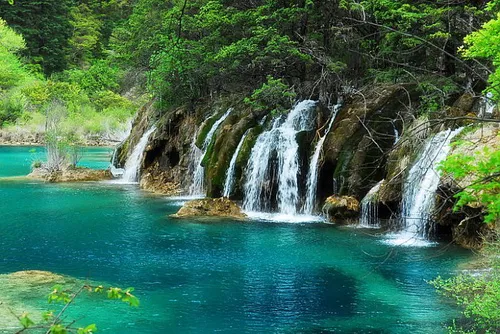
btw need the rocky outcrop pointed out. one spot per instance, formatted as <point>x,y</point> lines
<point>363,135</point>
<point>377,135</point>
<point>341,207</point>
<point>210,207</point>
<point>71,175</point>
<point>158,182</point>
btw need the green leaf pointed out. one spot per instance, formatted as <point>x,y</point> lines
<point>25,321</point>
<point>87,330</point>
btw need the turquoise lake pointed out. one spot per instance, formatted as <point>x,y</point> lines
<point>212,275</point>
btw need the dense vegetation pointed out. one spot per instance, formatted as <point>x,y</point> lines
<point>188,50</point>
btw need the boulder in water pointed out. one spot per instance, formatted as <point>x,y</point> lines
<point>341,207</point>
<point>210,207</point>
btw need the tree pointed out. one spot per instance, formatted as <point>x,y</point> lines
<point>46,28</point>
<point>484,44</point>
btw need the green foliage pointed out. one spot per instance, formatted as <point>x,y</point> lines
<point>274,96</point>
<point>12,72</point>
<point>477,295</point>
<point>481,172</point>
<point>413,34</point>
<point>92,105</point>
<point>485,44</point>
<point>56,323</point>
<point>85,43</point>
<point>98,77</point>
<point>46,28</point>
<point>434,92</point>
<point>209,45</point>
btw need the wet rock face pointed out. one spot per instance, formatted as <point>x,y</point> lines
<point>210,207</point>
<point>157,181</point>
<point>363,134</point>
<point>71,175</point>
<point>341,207</point>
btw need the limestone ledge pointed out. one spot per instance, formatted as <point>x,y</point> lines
<point>71,175</point>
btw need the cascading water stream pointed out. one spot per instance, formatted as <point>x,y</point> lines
<point>312,174</point>
<point>419,189</point>
<point>133,163</point>
<point>198,186</point>
<point>487,106</point>
<point>369,208</point>
<point>279,142</point>
<point>229,183</point>
<point>396,132</point>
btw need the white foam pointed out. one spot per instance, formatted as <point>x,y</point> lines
<point>406,239</point>
<point>283,218</point>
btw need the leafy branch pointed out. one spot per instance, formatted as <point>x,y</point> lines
<point>54,323</point>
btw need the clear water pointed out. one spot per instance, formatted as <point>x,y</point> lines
<point>218,275</point>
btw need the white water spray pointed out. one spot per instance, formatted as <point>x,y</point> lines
<point>198,186</point>
<point>312,174</point>
<point>134,161</point>
<point>369,208</point>
<point>279,142</point>
<point>229,183</point>
<point>487,106</point>
<point>419,189</point>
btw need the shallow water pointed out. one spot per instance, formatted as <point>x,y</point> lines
<point>214,275</point>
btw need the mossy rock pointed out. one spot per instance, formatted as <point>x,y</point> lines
<point>341,207</point>
<point>221,151</point>
<point>205,129</point>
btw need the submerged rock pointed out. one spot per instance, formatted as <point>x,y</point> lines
<point>341,207</point>
<point>71,175</point>
<point>210,207</point>
<point>22,291</point>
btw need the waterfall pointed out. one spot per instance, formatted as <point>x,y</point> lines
<point>197,155</point>
<point>229,183</point>
<point>419,189</point>
<point>131,169</point>
<point>396,132</point>
<point>277,144</point>
<point>369,207</point>
<point>312,174</point>
<point>487,106</point>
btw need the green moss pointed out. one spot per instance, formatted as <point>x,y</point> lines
<point>205,129</point>
<point>247,146</point>
<point>341,169</point>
